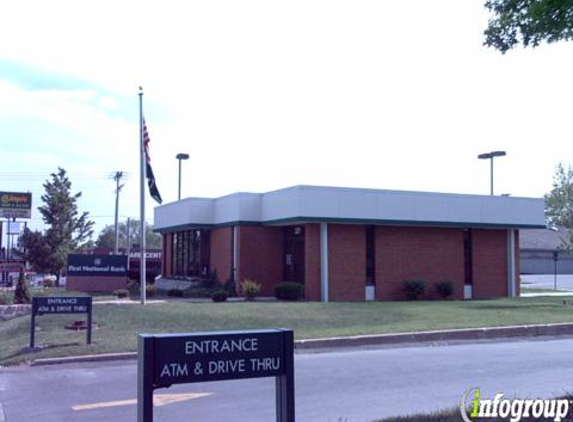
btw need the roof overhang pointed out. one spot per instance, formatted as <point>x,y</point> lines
<point>301,204</point>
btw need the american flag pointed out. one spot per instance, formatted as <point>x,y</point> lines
<point>154,192</point>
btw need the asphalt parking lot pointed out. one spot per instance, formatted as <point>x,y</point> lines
<point>547,281</point>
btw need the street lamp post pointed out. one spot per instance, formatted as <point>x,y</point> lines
<point>180,157</point>
<point>491,156</point>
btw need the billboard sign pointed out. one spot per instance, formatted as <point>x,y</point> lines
<point>15,205</point>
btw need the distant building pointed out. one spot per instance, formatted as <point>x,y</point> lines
<point>537,249</point>
<point>350,244</point>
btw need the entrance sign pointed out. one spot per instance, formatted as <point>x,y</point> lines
<point>61,305</point>
<point>167,359</point>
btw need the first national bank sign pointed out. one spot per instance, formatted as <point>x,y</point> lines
<point>97,265</point>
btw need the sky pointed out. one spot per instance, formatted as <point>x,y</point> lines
<point>266,94</point>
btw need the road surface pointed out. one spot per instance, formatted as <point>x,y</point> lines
<point>353,385</point>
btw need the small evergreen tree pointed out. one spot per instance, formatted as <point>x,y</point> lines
<point>68,229</point>
<point>22,293</point>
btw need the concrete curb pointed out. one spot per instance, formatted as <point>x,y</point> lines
<point>440,335</point>
<point>103,357</point>
<point>468,334</point>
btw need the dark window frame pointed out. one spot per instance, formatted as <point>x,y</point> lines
<point>370,255</point>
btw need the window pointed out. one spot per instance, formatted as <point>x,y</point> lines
<point>468,256</point>
<point>188,259</point>
<point>370,255</point>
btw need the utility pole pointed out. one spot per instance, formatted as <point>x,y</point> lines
<point>128,241</point>
<point>117,177</point>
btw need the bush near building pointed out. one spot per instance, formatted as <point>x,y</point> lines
<point>288,290</point>
<point>414,289</point>
<point>219,296</point>
<point>445,289</point>
<point>250,289</point>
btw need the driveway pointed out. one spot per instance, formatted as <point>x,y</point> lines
<point>354,385</point>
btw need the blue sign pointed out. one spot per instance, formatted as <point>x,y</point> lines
<point>61,305</point>
<point>167,359</point>
<point>97,265</point>
<point>221,356</point>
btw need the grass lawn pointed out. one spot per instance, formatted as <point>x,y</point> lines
<point>454,415</point>
<point>120,324</point>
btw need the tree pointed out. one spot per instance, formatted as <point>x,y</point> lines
<point>106,238</point>
<point>67,230</point>
<point>22,293</point>
<point>36,250</point>
<point>528,22</point>
<point>559,203</point>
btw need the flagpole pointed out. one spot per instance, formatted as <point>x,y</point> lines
<point>142,266</point>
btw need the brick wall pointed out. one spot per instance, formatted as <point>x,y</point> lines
<point>95,284</point>
<point>489,257</point>
<point>261,256</point>
<point>346,262</point>
<point>220,252</point>
<point>312,262</point>
<point>417,253</point>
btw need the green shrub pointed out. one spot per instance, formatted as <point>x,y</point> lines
<point>121,293</point>
<point>219,296</point>
<point>414,288</point>
<point>175,293</point>
<point>22,292</point>
<point>133,287</point>
<point>6,298</point>
<point>250,289</point>
<point>445,289</point>
<point>149,290</point>
<point>288,290</point>
<point>48,282</point>
<point>229,287</point>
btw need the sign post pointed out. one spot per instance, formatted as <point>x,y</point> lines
<point>167,359</point>
<point>61,305</point>
<point>555,259</point>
